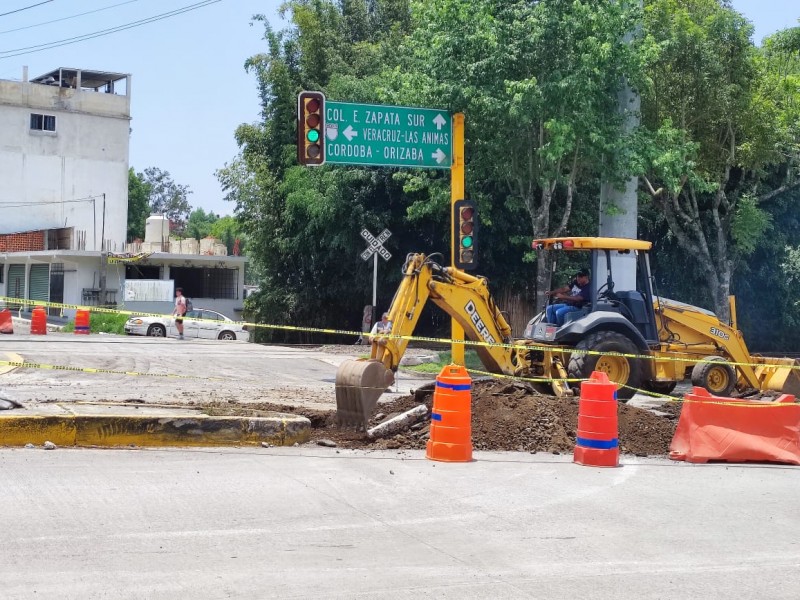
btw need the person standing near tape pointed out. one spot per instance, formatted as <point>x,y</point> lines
<point>384,326</point>
<point>179,311</point>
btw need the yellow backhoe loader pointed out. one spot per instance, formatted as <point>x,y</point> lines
<point>640,340</point>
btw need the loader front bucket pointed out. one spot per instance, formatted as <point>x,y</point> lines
<point>359,384</point>
<point>779,375</point>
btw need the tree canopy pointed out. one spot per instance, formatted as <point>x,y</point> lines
<point>716,151</point>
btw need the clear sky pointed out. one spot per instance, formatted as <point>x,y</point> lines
<point>189,88</point>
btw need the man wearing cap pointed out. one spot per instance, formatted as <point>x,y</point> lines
<point>573,296</point>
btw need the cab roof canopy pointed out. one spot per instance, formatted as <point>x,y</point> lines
<point>590,243</point>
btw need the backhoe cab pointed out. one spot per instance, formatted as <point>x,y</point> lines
<point>615,320</point>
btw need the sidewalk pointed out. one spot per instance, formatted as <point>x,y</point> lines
<point>112,425</point>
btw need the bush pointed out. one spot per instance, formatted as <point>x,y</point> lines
<point>102,323</point>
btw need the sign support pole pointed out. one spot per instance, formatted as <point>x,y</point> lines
<point>375,288</point>
<point>457,187</point>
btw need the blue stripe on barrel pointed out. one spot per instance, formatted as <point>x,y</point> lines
<point>458,387</point>
<point>598,444</point>
<point>436,417</point>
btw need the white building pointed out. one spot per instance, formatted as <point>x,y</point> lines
<point>64,160</point>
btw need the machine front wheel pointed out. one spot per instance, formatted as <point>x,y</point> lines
<point>717,376</point>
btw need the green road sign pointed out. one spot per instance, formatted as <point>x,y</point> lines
<point>392,136</point>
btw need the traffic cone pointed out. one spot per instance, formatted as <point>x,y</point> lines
<point>6,323</point>
<point>39,321</point>
<point>451,417</point>
<point>597,441</point>
<point>82,322</point>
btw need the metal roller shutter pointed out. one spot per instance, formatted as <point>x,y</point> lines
<point>39,287</point>
<point>16,281</point>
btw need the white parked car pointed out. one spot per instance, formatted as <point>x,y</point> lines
<point>213,326</point>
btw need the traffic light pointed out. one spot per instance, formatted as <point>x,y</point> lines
<point>465,229</point>
<point>311,128</point>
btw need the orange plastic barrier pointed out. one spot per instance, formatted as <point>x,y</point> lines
<point>39,321</point>
<point>451,417</point>
<point>82,322</point>
<point>6,323</point>
<point>733,430</point>
<point>597,439</point>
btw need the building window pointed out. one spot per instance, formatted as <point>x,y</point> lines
<point>43,122</point>
<point>207,282</point>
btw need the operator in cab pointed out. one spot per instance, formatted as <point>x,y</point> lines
<point>572,297</point>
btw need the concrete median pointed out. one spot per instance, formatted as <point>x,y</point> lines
<point>113,425</point>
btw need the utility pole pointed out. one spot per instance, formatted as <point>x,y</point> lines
<point>619,208</point>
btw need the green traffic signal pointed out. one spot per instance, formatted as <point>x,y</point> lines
<point>313,135</point>
<point>466,241</point>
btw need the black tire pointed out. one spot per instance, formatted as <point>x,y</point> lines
<point>717,376</point>
<point>618,368</point>
<point>157,331</point>
<point>227,336</point>
<point>660,387</point>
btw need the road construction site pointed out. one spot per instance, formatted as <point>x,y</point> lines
<point>233,379</point>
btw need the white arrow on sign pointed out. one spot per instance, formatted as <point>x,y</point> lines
<point>350,133</point>
<point>439,156</point>
<point>440,122</point>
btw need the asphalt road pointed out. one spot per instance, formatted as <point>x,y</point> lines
<point>207,370</point>
<point>313,523</point>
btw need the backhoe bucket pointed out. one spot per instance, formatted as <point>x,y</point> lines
<point>779,375</point>
<point>359,384</point>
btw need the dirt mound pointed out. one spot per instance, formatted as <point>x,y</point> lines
<point>505,416</point>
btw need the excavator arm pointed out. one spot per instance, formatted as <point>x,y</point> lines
<point>359,383</point>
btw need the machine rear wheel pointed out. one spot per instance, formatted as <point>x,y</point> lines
<point>620,369</point>
<point>717,376</point>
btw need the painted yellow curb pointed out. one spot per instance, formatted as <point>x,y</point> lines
<point>18,429</point>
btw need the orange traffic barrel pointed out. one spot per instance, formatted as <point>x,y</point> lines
<point>6,323</point>
<point>82,322</point>
<point>597,439</point>
<point>451,417</point>
<point>39,321</point>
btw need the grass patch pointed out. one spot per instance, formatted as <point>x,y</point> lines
<point>446,358</point>
<point>102,323</point>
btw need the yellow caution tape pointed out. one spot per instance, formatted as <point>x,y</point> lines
<point>30,365</point>
<point>446,341</point>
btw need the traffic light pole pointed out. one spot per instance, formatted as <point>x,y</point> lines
<point>457,189</point>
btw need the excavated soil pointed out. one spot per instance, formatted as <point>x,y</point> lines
<point>505,416</point>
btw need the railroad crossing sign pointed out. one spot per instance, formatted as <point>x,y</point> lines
<point>392,136</point>
<point>376,244</point>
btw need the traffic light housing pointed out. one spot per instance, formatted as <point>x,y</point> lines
<point>311,128</point>
<point>465,229</point>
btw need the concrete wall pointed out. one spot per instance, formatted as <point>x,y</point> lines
<point>86,156</point>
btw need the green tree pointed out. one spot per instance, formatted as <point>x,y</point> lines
<point>228,230</point>
<point>138,205</point>
<point>717,139</point>
<point>167,197</point>
<point>200,223</point>
<point>539,83</point>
